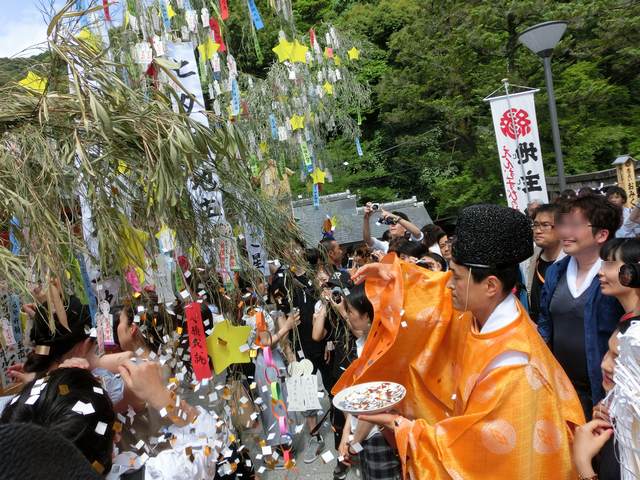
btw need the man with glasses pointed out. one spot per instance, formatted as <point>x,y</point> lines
<point>575,318</point>
<point>548,251</point>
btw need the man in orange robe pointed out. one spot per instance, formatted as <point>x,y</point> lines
<point>412,322</point>
<point>512,406</point>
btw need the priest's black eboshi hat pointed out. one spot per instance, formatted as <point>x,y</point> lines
<point>490,236</point>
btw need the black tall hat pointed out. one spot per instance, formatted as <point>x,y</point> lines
<point>492,236</point>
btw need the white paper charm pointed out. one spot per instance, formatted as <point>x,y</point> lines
<point>142,53</point>
<point>204,15</point>
<point>231,65</point>
<point>215,63</point>
<point>158,46</point>
<point>104,328</point>
<point>191,18</point>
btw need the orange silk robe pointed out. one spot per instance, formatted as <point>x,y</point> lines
<point>412,326</point>
<point>512,422</point>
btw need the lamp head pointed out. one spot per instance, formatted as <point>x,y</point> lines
<point>542,38</point>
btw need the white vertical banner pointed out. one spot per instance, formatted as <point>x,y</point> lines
<point>187,74</point>
<point>516,127</point>
<point>254,241</point>
<point>207,195</point>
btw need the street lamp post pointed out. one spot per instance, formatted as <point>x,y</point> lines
<point>541,39</point>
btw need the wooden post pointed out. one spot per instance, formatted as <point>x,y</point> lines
<point>626,171</point>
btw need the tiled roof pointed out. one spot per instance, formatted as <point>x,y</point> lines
<point>622,159</point>
<point>349,217</point>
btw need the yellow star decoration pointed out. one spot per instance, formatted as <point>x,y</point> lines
<point>297,122</point>
<point>89,38</point>
<point>224,345</point>
<point>264,147</point>
<point>33,82</point>
<point>298,52</point>
<point>318,176</point>
<point>170,12</point>
<point>327,87</point>
<point>208,48</point>
<point>283,50</point>
<point>354,54</point>
<point>337,60</point>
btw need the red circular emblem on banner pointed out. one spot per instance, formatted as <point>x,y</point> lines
<point>519,126</point>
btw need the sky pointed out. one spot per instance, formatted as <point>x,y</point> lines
<point>23,24</point>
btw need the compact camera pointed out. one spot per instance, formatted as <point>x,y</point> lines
<point>336,294</point>
<point>387,221</point>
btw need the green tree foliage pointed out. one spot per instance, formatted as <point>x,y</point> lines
<point>13,69</point>
<point>432,63</point>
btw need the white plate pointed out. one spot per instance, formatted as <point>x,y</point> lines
<point>364,394</point>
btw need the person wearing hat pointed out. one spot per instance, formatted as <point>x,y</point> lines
<point>512,407</point>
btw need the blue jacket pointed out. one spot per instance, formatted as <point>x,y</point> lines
<point>601,315</point>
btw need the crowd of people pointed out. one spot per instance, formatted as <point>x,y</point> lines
<point>505,336</point>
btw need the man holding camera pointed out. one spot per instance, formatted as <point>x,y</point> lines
<point>399,227</point>
<point>576,319</point>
